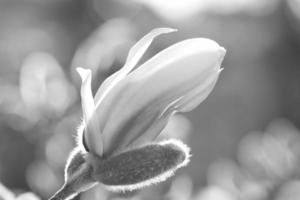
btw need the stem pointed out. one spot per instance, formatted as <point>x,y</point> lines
<point>64,194</point>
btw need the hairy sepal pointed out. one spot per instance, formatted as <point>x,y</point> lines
<point>144,166</point>
<point>74,162</point>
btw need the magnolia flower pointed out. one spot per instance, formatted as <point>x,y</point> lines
<point>116,141</point>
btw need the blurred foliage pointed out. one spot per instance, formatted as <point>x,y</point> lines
<point>244,137</point>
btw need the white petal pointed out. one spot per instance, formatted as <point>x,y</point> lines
<point>184,103</point>
<point>87,100</point>
<point>135,54</point>
<point>138,50</point>
<point>183,73</point>
<point>92,133</point>
<point>191,100</point>
<point>154,128</point>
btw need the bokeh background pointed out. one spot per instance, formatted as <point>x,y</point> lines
<point>244,137</point>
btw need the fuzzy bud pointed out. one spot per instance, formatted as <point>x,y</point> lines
<point>142,166</point>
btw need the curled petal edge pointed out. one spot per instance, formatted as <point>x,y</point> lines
<point>92,134</point>
<point>134,55</point>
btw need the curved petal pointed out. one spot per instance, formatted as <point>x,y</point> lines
<point>138,50</point>
<point>185,103</point>
<point>192,99</point>
<point>111,82</point>
<point>134,55</point>
<point>154,128</point>
<point>87,100</point>
<point>176,74</point>
<point>92,133</point>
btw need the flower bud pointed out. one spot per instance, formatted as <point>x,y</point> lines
<point>129,111</point>
<point>133,105</point>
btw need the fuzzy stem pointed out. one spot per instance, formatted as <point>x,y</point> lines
<point>64,194</point>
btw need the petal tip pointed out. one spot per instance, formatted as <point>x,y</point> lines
<point>83,73</point>
<point>222,51</point>
<point>164,30</point>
